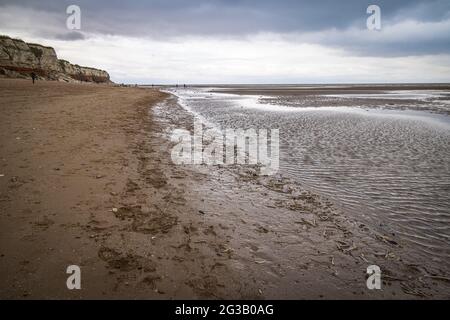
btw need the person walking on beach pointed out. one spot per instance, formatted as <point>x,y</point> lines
<point>33,76</point>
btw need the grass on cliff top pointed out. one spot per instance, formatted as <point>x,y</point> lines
<point>2,36</point>
<point>39,45</point>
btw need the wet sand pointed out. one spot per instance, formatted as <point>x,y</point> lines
<point>434,97</point>
<point>86,178</point>
<point>302,90</point>
<point>385,166</point>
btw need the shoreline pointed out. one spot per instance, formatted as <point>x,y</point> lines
<point>301,90</point>
<point>90,182</point>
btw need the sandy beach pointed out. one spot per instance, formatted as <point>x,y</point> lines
<point>86,178</point>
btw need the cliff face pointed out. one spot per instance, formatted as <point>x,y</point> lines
<point>19,59</point>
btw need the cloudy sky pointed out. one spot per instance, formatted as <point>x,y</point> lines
<point>243,41</point>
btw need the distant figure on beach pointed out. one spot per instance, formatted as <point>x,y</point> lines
<point>33,76</point>
<point>184,86</point>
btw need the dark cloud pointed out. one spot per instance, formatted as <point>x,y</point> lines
<point>236,16</point>
<point>240,18</point>
<point>70,36</point>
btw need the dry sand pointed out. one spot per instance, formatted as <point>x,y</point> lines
<point>70,154</point>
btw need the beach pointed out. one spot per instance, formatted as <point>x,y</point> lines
<point>86,178</point>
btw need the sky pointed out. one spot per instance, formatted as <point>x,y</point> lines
<point>243,41</point>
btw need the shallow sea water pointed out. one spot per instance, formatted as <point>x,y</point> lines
<point>389,167</point>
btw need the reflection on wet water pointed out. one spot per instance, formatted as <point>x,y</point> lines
<point>389,167</point>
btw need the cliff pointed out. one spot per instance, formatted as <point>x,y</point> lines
<point>19,59</point>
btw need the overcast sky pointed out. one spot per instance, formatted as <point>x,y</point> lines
<point>243,41</point>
